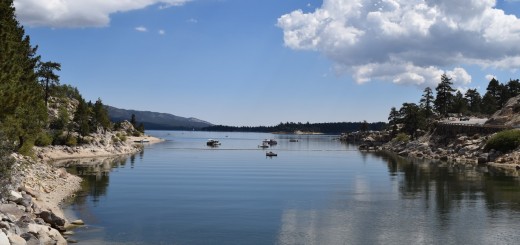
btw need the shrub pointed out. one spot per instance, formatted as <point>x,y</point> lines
<point>504,141</point>
<point>27,148</point>
<point>115,139</point>
<point>44,139</point>
<point>71,141</point>
<point>401,137</point>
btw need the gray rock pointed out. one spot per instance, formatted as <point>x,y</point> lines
<point>14,196</point>
<point>4,225</point>
<point>39,221</point>
<point>27,203</point>
<point>30,239</point>
<point>33,193</point>
<point>12,212</point>
<point>462,151</point>
<point>24,221</point>
<point>4,239</point>
<point>16,239</point>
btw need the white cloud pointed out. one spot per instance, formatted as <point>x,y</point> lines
<point>407,41</point>
<point>79,13</point>
<point>489,77</point>
<point>162,32</point>
<point>141,29</point>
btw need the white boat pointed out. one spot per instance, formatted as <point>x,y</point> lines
<point>212,142</point>
<point>270,142</point>
<point>271,154</point>
<point>263,145</point>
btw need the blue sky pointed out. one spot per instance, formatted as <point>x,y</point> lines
<point>244,62</point>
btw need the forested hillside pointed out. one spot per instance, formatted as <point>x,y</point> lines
<point>35,109</point>
<point>156,120</point>
<point>448,102</point>
<point>291,127</point>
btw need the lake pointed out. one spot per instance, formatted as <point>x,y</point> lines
<point>316,191</point>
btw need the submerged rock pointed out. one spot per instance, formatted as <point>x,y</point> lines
<point>78,222</point>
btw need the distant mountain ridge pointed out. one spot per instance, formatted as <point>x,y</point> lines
<point>156,120</point>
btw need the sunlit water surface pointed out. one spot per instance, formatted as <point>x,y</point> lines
<point>316,191</point>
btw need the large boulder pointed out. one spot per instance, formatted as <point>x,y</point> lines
<point>509,115</point>
<point>3,238</point>
<point>16,239</point>
<point>15,196</point>
<point>11,210</point>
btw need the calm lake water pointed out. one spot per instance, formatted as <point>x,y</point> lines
<point>316,191</point>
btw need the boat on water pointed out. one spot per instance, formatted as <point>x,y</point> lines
<point>293,140</point>
<point>270,142</point>
<point>212,142</point>
<point>141,141</point>
<point>271,154</point>
<point>263,145</point>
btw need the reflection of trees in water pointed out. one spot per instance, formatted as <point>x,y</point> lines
<point>451,184</point>
<point>96,176</point>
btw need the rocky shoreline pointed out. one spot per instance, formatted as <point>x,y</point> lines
<point>460,149</point>
<point>30,209</point>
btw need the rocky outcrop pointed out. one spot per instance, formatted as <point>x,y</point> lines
<point>509,115</point>
<point>461,149</point>
<point>100,144</point>
<point>29,212</point>
<point>370,137</point>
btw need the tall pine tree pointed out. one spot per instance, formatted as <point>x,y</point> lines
<point>22,112</point>
<point>444,100</point>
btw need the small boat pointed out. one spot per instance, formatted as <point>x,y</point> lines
<point>293,140</point>
<point>272,142</point>
<point>141,141</point>
<point>263,145</point>
<point>212,142</point>
<point>271,154</point>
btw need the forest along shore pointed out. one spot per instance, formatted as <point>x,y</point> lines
<point>30,212</point>
<point>477,145</point>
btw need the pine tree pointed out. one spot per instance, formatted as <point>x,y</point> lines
<point>474,100</point>
<point>45,71</point>
<point>101,115</point>
<point>496,95</point>
<point>494,89</point>
<point>513,87</point>
<point>460,104</point>
<point>426,102</point>
<point>22,112</point>
<point>444,100</point>
<point>81,118</point>
<point>489,104</point>
<point>393,120</point>
<point>412,118</point>
<point>133,121</point>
